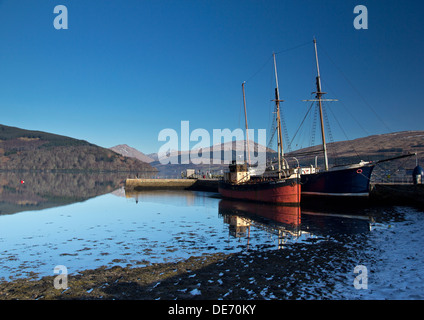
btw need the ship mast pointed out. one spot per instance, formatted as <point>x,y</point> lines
<point>247,129</point>
<point>319,99</point>
<point>280,136</point>
<point>319,94</point>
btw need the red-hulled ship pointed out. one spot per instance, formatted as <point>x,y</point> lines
<point>281,186</point>
<point>238,184</point>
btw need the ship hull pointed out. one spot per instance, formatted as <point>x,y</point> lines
<point>349,182</point>
<point>286,191</point>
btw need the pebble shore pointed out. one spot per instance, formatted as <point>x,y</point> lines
<point>299,271</point>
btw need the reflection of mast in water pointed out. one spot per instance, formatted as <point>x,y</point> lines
<point>283,221</point>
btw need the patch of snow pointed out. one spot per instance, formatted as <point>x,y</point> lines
<point>394,268</point>
<point>195,292</point>
<point>230,291</point>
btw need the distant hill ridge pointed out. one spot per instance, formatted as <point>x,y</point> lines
<point>374,147</point>
<point>127,151</point>
<point>22,149</point>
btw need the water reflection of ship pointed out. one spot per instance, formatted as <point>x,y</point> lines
<point>283,221</point>
<point>291,223</point>
<point>335,224</point>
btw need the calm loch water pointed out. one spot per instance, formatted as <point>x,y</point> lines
<point>97,224</point>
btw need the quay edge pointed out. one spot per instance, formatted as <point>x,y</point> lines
<point>169,184</point>
<point>381,193</point>
<point>398,194</point>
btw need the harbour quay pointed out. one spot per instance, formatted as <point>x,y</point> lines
<point>210,185</point>
<point>381,193</point>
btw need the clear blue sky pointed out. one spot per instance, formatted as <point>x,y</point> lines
<point>124,70</point>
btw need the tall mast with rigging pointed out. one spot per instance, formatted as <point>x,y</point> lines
<point>319,99</point>
<point>280,136</point>
<point>319,94</point>
<point>247,129</point>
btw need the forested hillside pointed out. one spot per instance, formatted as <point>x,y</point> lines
<point>35,150</point>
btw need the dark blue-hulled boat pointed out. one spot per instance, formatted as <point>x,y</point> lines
<point>343,181</point>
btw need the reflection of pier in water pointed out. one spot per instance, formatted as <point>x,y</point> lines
<point>282,221</point>
<point>175,197</point>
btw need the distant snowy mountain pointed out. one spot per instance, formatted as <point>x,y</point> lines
<point>130,152</point>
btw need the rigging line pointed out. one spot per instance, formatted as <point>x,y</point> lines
<point>351,115</point>
<point>344,132</point>
<point>282,51</point>
<point>302,122</point>
<point>293,48</point>
<point>356,90</point>
<point>347,109</point>
<point>271,140</point>
<point>260,69</point>
<point>327,122</point>
<point>286,134</point>
<point>314,126</point>
<point>341,128</point>
<point>394,170</point>
<point>333,149</point>
<point>272,112</point>
<point>306,153</point>
<point>273,129</point>
<point>271,105</point>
